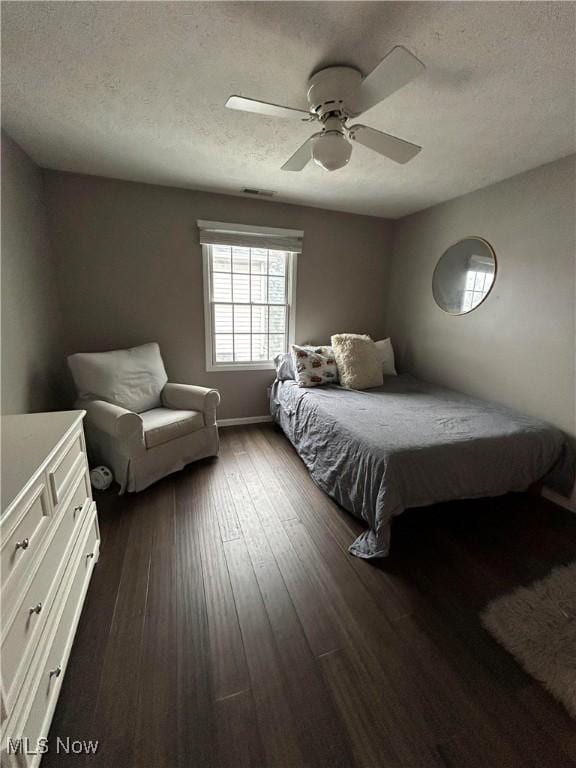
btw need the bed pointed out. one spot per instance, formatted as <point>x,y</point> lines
<point>413,444</point>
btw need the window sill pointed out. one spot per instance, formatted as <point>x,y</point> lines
<point>224,367</point>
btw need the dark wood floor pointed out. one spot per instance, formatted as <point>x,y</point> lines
<point>226,625</point>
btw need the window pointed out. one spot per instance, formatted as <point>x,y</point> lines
<point>249,302</point>
<point>478,284</point>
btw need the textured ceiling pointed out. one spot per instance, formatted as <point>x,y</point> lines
<point>137,90</point>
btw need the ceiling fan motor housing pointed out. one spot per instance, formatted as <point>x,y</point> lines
<point>334,89</point>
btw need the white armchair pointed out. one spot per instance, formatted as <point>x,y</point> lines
<point>137,423</point>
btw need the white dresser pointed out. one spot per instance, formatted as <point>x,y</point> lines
<point>48,548</point>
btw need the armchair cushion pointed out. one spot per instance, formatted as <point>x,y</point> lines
<point>161,425</point>
<point>130,378</point>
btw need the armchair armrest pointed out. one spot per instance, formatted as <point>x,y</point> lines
<point>114,420</point>
<point>188,397</point>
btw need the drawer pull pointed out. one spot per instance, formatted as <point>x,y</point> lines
<point>22,544</point>
<point>56,672</point>
<point>37,608</point>
<point>90,555</point>
<point>77,509</point>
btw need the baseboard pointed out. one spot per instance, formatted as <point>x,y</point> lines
<point>243,420</point>
<point>561,501</point>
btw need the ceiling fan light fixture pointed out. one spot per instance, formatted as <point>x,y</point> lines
<point>331,151</point>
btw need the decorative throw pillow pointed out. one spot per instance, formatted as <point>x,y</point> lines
<point>131,378</point>
<point>386,353</point>
<point>314,366</point>
<point>358,361</point>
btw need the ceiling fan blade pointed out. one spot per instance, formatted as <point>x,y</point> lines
<point>394,72</point>
<point>264,108</point>
<point>301,157</point>
<point>396,149</point>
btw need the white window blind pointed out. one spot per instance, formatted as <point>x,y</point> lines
<point>249,299</point>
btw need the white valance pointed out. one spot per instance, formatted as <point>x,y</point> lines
<point>250,236</point>
<point>481,263</point>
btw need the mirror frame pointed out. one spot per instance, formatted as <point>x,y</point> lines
<point>456,242</point>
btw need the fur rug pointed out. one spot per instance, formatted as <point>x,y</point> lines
<point>537,624</point>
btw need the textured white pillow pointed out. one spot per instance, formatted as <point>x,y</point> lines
<point>314,366</point>
<point>386,353</point>
<point>131,378</point>
<point>358,361</point>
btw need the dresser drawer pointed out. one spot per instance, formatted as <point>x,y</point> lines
<point>77,501</point>
<point>60,633</point>
<point>22,626</point>
<point>23,531</point>
<point>66,466</point>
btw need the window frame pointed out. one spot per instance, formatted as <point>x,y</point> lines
<point>473,292</point>
<point>209,335</point>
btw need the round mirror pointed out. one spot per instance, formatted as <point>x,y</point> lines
<point>464,276</point>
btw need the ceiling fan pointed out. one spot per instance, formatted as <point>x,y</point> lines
<point>336,94</point>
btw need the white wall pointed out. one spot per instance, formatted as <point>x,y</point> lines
<point>130,268</point>
<point>518,347</point>
<point>32,344</point>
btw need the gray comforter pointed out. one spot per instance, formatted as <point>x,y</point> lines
<point>411,444</point>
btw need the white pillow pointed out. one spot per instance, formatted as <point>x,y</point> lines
<point>358,361</point>
<point>386,353</point>
<point>131,378</point>
<point>284,367</point>
<point>314,366</point>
